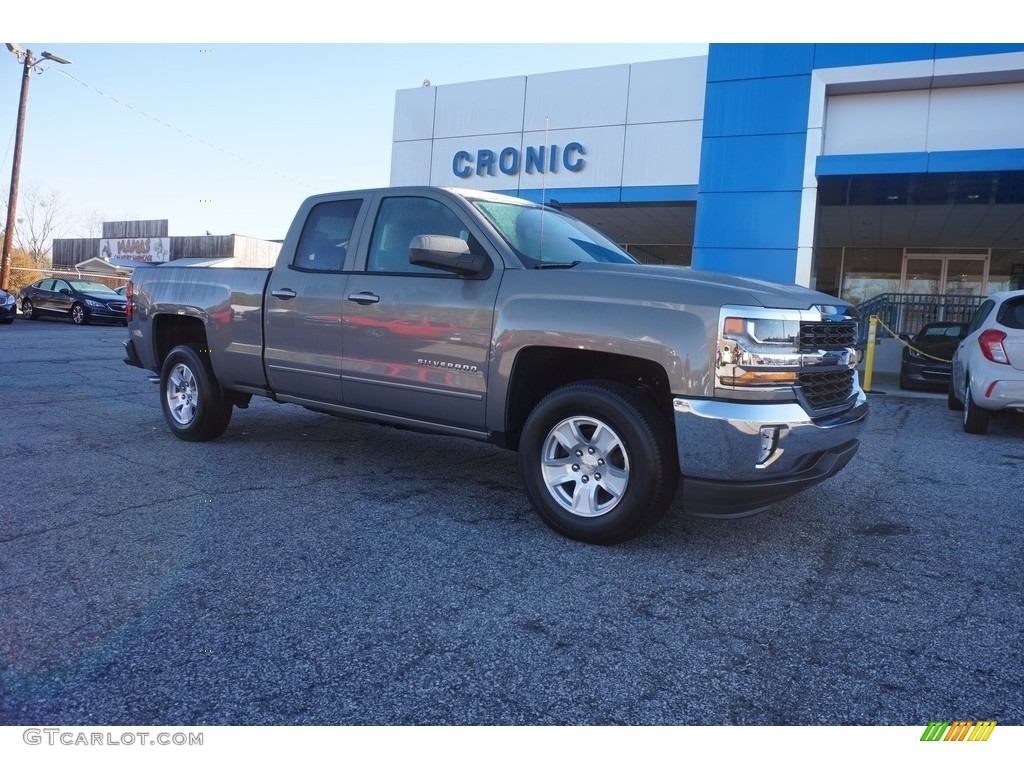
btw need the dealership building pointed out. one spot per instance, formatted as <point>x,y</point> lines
<point>860,169</point>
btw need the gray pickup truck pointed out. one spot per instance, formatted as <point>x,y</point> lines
<point>485,316</point>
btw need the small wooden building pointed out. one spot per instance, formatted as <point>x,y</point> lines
<point>125,242</point>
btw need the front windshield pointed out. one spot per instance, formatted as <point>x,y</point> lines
<point>90,286</point>
<point>544,235</point>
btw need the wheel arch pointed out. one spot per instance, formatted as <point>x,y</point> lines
<point>171,330</point>
<point>538,371</point>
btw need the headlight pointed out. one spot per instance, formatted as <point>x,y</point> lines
<point>8,299</point>
<point>759,352</point>
<point>95,304</point>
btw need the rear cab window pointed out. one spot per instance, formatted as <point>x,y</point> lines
<point>326,236</point>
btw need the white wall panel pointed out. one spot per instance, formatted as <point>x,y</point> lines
<point>982,117</point>
<point>662,154</point>
<point>876,123</point>
<point>603,158</point>
<point>414,114</point>
<point>940,120</point>
<point>664,91</point>
<point>584,97</point>
<point>486,106</point>
<point>410,163</point>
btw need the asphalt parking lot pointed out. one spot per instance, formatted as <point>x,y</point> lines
<point>306,570</point>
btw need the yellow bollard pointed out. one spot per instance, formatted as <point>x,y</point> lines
<point>869,362</point>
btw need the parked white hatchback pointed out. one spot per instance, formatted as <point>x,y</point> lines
<point>988,366</point>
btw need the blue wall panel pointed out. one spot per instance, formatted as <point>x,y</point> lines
<point>662,194</point>
<point>765,264</point>
<point>572,194</point>
<point>856,54</point>
<point>977,160</point>
<point>921,162</point>
<point>749,219</point>
<point>743,61</point>
<point>753,163</point>
<point>750,107</point>
<point>952,50</point>
<point>863,165</point>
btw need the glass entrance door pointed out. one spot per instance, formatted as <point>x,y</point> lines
<point>965,276</point>
<point>942,282</point>
<point>935,275</point>
<point>923,275</point>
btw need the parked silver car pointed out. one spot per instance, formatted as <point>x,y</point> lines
<point>988,366</point>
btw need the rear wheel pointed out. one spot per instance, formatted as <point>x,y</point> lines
<point>975,418</point>
<point>193,402</point>
<point>598,462</point>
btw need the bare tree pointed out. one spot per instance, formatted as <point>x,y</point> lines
<point>41,216</point>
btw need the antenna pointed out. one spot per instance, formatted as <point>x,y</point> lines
<point>544,187</point>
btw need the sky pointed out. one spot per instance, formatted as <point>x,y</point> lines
<point>229,134</point>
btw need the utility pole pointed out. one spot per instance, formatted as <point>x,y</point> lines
<point>12,199</point>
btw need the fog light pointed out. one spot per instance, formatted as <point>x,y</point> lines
<point>769,444</point>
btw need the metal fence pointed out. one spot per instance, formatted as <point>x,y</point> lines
<point>909,312</point>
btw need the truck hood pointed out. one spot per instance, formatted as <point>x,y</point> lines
<point>748,290</point>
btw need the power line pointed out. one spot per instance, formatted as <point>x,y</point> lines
<point>183,132</point>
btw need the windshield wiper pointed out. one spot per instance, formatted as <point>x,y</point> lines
<point>556,264</point>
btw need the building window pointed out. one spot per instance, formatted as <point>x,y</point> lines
<point>868,272</point>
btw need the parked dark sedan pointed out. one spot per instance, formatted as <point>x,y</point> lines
<point>927,361</point>
<point>7,307</point>
<point>81,300</point>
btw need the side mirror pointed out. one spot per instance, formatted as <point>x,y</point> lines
<point>905,337</point>
<point>450,254</point>
<point>66,291</point>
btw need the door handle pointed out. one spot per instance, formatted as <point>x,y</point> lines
<point>364,298</point>
<point>284,293</point>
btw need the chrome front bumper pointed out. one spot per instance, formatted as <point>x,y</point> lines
<point>738,458</point>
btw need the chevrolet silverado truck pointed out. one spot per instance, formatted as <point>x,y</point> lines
<point>488,317</point>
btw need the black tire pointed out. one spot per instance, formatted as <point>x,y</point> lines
<point>192,400</point>
<point>904,383</point>
<point>975,418</point>
<point>79,314</point>
<point>951,400</point>
<point>28,311</point>
<point>617,432</point>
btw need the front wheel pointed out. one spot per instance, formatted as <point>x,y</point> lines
<point>975,418</point>
<point>79,316</point>
<point>28,311</point>
<point>598,461</point>
<point>193,402</point>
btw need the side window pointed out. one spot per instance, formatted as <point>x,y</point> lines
<point>980,315</point>
<point>325,236</point>
<point>399,220</point>
<point>60,285</point>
